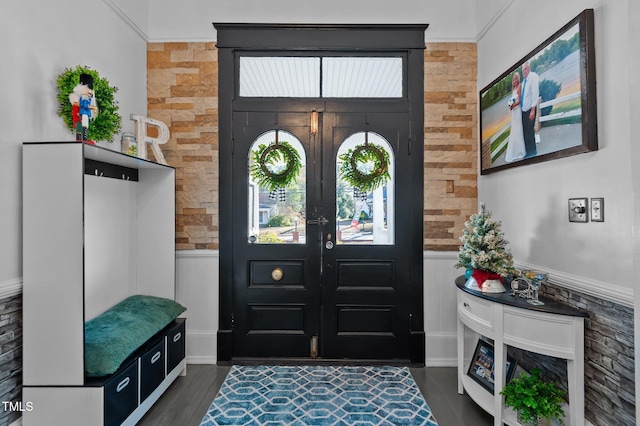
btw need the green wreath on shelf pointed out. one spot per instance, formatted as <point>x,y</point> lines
<point>355,163</point>
<point>108,122</point>
<point>267,168</point>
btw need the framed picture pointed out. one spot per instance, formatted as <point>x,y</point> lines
<point>544,106</point>
<point>481,368</point>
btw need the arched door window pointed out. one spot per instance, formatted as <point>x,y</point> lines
<point>277,203</point>
<point>365,215</point>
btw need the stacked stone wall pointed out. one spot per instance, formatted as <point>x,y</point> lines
<point>609,371</point>
<point>10,359</point>
<point>450,142</point>
<point>182,90</point>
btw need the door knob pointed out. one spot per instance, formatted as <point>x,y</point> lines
<point>329,245</point>
<point>277,274</point>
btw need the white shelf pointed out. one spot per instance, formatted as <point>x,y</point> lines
<point>98,153</point>
<point>88,243</point>
<point>106,155</point>
<point>551,330</point>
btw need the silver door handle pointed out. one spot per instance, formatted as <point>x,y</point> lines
<point>319,221</point>
<point>329,245</point>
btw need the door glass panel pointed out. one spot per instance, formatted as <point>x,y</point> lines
<point>361,77</point>
<point>364,216</point>
<point>268,77</point>
<point>276,214</point>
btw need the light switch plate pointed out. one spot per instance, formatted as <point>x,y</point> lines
<point>578,210</point>
<point>597,209</point>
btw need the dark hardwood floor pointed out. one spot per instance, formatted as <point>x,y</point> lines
<point>189,397</point>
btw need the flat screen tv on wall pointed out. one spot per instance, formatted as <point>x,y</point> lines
<point>544,106</point>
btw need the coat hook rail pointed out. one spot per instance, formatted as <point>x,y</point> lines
<point>113,171</point>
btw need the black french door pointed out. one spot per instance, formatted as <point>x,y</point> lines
<point>345,280</point>
<point>349,297</point>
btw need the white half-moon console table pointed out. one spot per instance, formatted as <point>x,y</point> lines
<point>552,329</point>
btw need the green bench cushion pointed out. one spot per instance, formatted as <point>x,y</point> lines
<point>114,335</point>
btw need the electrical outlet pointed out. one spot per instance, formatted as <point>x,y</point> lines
<point>578,210</point>
<point>597,209</point>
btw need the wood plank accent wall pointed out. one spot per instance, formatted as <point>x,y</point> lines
<point>450,142</point>
<point>182,90</point>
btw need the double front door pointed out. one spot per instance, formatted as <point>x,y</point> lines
<point>321,269</point>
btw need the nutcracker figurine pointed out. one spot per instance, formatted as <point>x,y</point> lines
<point>83,106</point>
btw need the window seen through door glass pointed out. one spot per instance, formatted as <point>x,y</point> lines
<point>276,214</point>
<point>364,217</point>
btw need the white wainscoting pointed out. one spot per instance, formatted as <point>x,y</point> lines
<point>440,308</point>
<point>10,288</point>
<point>197,284</point>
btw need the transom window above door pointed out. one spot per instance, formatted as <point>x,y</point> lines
<point>321,77</point>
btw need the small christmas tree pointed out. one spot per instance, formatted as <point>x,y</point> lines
<point>484,248</point>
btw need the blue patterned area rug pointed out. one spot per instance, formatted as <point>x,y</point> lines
<point>319,395</point>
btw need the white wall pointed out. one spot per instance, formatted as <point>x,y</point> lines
<point>531,201</point>
<point>598,258</point>
<point>192,19</point>
<point>38,42</point>
<point>39,39</point>
<point>634,86</point>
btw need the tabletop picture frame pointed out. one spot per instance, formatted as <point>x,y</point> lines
<point>563,72</point>
<point>481,368</point>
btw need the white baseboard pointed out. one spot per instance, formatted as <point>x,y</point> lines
<point>202,346</point>
<point>441,349</point>
<point>209,360</point>
<point>441,362</point>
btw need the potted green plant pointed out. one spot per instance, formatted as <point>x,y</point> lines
<point>534,399</point>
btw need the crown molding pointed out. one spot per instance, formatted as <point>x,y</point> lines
<point>450,40</point>
<point>126,19</point>
<point>493,20</point>
<point>211,39</point>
